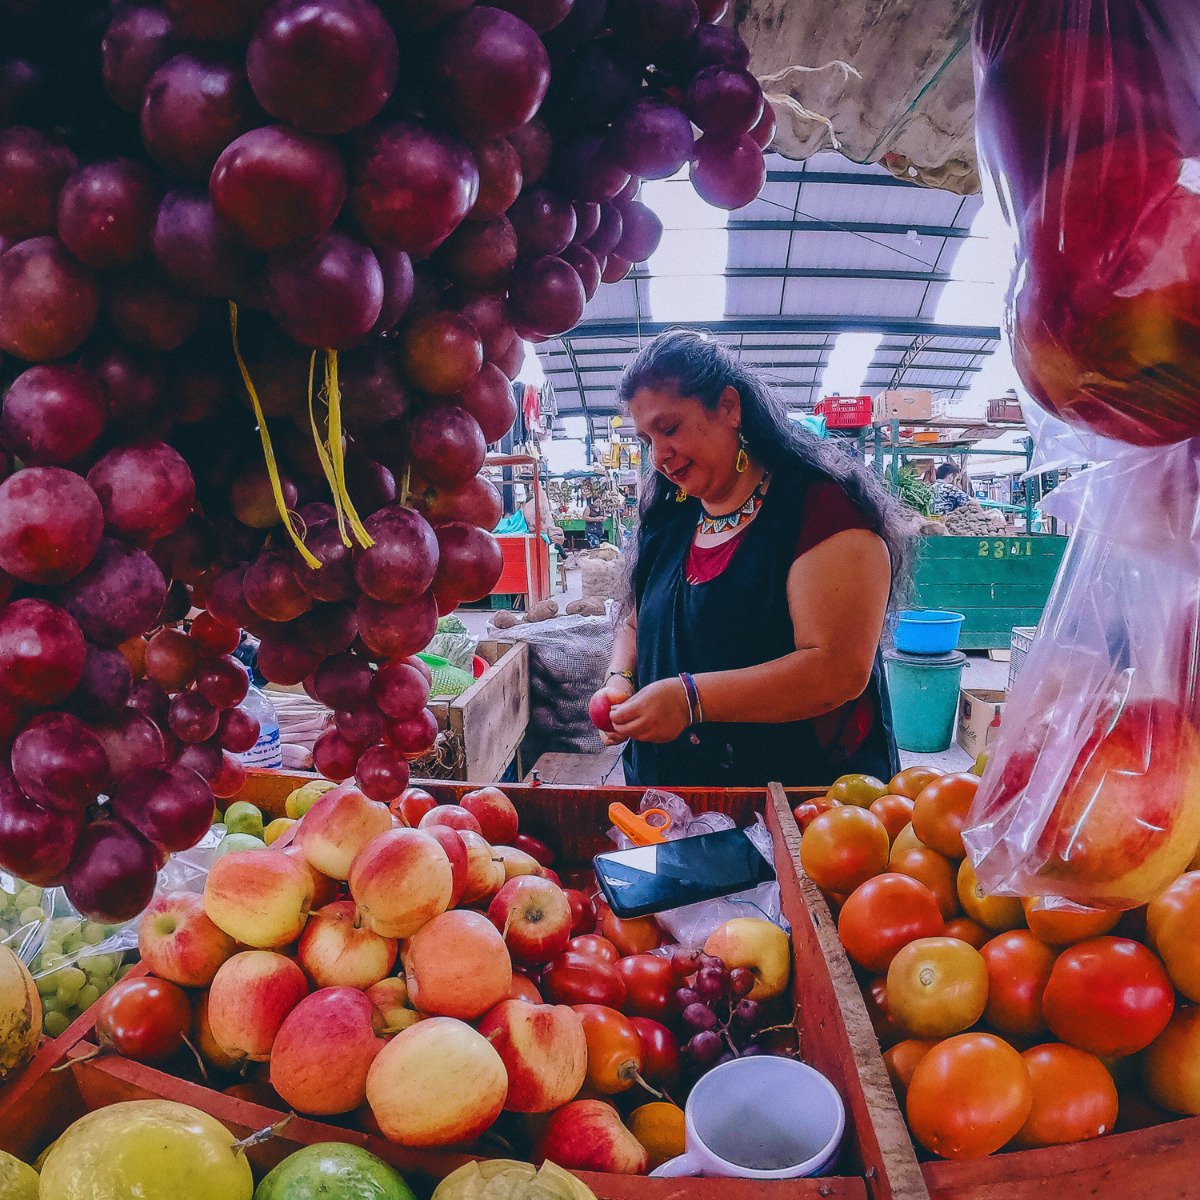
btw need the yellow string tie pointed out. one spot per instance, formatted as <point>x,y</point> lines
<point>323,453</point>
<point>337,454</point>
<point>268,449</point>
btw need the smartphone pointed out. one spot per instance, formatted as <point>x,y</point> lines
<point>651,879</point>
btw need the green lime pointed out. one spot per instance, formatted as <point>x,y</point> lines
<point>242,817</point>
<point>333,1171</point>
<point>237,841</point>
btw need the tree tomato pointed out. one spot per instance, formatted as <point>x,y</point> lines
<point>581,979</point>
<point>807,812</point>
<point>932,869</point>
<point>883,915</point>
<point>1173,1064</point>
<point>968,931</point>
<point>860,790</point>
<point>632,936</point>
<point>894,811</point>
<point>1172,925</point>
<point>1065,926</point>
<point>912,781</point>
<point>1109,996</point>
<point>1018,967</point>
<point>940,812</point>
<point>583,911</point>
<point>937,987</point>
<point>660,1052</point>
<point>614,1049</point>
<point>844,847</point>
<point>595,946</point>
<point>1074,1097</point>
<point>143,1018</point>
<point>968,1096</point>
<point>901,1061</point>
<point>997,913</point>
<point>650,985</point>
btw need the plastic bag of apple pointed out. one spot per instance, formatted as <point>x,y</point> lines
<point>411,971</point>
<point>1006,1021</point>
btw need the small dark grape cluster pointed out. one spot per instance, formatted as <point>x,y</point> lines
<point>717,1016</point>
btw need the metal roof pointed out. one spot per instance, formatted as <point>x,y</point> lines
<point>830,247</point>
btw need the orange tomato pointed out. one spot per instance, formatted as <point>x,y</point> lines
<point>912,780</point>
<point>1074,1097</point>
<point>808,812</point>
<point>1018,968</point>
<point>998,913</point>
<point>1065,926</point>
<point>940,812</point>
<point>968,931</point>
<point>634,935</point>
<point>1172,922</point>
<point>1172,1064</point>
<point>844,847</point>
<point>859,790</point>
<point>932,869</point>
<point>901,1061</point>
<point>894,811</point>
<point>906,839</point>
<point>614,1049</point>
<point>883,915</point>
<point>937,987</point>
<point>968,1096</point>
<point>882,1021</point>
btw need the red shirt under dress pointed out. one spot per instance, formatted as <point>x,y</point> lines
<point>827,510</point>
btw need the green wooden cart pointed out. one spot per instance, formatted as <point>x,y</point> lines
<point>997,583</point>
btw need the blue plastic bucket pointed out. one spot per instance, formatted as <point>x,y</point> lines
<point>924,693</point>
<point>930,631</point>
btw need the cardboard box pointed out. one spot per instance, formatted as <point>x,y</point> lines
<point>978,709</point>
<point>905,404</point>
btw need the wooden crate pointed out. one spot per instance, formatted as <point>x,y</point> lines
<point>1159,1162</point>
<point>875,1164</point>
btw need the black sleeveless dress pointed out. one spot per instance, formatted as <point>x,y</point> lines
<point>738,619</point>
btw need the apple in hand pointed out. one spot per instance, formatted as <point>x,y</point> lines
<point>495,812</point>
<point>534,918</point>
<point>390,997</point>
<point>453,816</point>
<point>323,1051</point>
<point>457,966</point>
<point>437,1083</point>
<point>544,1052</point>
<point>249,998</point>
<point>338,826</point>
<point>335,951</point>
<point>258,897</point>
<point>485,872</point>
<point>401,880</point>
<point>759,945</point>
<point>600,709</point>
<point>587,1135</point>
<point>179,943</point>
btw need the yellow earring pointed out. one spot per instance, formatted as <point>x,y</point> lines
<point>680,496</point>
<point>743,459</point>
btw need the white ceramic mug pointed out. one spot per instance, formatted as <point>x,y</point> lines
<point>760,1118</point>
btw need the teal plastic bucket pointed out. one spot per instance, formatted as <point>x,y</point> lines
<point>924,692</point>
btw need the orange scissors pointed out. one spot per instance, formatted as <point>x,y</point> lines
<point>646,828</point>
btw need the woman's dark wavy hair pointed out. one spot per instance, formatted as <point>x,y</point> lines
<point>692,364</point>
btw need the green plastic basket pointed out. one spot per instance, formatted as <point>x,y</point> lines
<point>448,680</point>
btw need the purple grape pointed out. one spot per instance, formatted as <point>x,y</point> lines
<point>699,1017</point>
<point>741,981</point>
<point>710,983</point>
<point>705,1048</point>
<point>747,1013</point>
<point>685,996</point>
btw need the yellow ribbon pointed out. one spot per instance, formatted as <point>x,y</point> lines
<point>341,497</point>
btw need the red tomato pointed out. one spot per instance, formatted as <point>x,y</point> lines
<point>971,932</point>
<point>1108,996</point>
<point>883,915</point>
<point>614,1049</point>
<point>660,1052</point>
<point>630,937</point>
<point>583,911</point>
<point>650,984</point>
<point>844,847</point>
<point>940,812</point>
<point>887,1028</point>
<point>1074,1097</point>
<point>1018,967</point>
<point>808,812</point>
<point>595,946</point>
<point>894,811</point>
<point>580,979</point>
<point>143,1018</point>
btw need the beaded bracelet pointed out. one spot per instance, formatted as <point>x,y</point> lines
<point>695,709</point>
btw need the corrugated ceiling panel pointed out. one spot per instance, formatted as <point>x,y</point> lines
<point>864,252</point>
<point>758,248</point>
<point>755,297</point>
<point>853,297</point>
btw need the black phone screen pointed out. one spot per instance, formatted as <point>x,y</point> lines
<point>650,879</point>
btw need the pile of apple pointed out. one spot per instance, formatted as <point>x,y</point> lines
<point>513,993</point>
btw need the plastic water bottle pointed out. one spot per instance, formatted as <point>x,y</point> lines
<point>267,751</point>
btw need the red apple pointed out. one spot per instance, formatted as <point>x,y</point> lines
<point>258,897</point>
<point>456,851</point>
<point>544,1052</point>
<point>335,951</point>
<point>551,874</point>
<point>412,804</point>
<point>401,880</point>
<point>495,813</point>
<point>453,816</point>
<point>536,847</point>
<point>583,912</point>
<point>325,890</point>
<point>206,1044</point>
<point>250,996</point>
<point>338,826</point>
<point>437,1083</point>
<point>587,1135</point>
<point>323,1051</point>
<point>390,997</point>
<point>599,708</point>
<point>457,966</point>
<point>516,862</point>
<point>524,989</point>
<point>179,943</point>
<point>534,918</point>
<point>485,872</point>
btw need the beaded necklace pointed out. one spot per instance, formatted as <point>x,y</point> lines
<point>725,522</point>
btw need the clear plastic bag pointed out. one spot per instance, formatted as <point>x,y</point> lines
<point>1088,119</point>
<point>1092,791</point>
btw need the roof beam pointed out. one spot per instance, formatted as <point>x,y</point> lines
<point>801,273</point>
<point>815,226</point>
<point>799,175</point>
<point>734,325</point>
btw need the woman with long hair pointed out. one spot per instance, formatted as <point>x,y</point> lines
<point>763,568</point>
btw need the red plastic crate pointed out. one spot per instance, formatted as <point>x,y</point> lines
<point>845,412</point>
